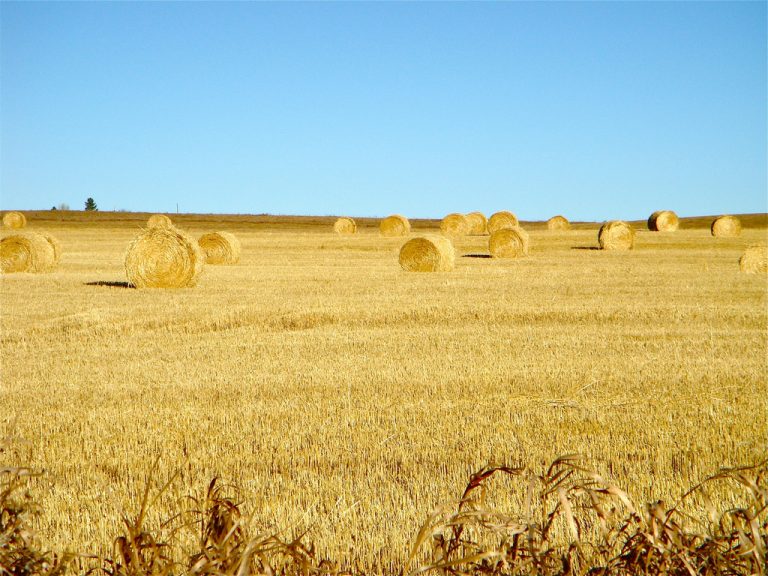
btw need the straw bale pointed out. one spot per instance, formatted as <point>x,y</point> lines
<point>509,243</point>
<point>616,235</point>
<point>345,226</point>
<point>26,252</point>
<point>429,253</point>
<point>454,225</point>
<point>14,220</point>
<point>55,245</point>
<point>478,224</point>
<point>163,258</point>
<point>558,223</point>
<point>220,247</point>
<point>159,221</point>
<point>663,221</point>
<point>395,225</point>
<point>503,219</point>
<point>726,227</point>
<point>754,260</point>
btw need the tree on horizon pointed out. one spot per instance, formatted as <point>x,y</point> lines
<point>90,205</point>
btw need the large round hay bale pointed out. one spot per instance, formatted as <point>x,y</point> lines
<point>754,260</point>
<point>395,225</point>
<point>558,223</point>
<point>345,226</point>
<point>454,225</point>
<point>14,220</point>
<point>478,224</point>
<point>55,245</point>
<point>726,227</point>
<point>508,243</point>
<point>503,219</point>
<point>26,252</point>
<point>163,258</point>
<point>663,221</point>
<point>427,254</point>
<point>159,221</point>
<point>616,235</point>
<point>220,247</point>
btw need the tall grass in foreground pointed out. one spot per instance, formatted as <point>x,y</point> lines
<point>572,522</point>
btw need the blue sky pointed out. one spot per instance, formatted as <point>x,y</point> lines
<point>594,110</point>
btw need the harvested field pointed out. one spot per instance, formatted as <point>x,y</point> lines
<point>348,398</point>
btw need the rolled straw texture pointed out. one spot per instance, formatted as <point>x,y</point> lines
<point>558,223</point>
<point>503,219</point>
<point>616,235</point>
<point>663,221</point>
<point>163,258</point>
<point>220,248</point>
<point>14,220</point>
<point>159,221</point>
<point>345,226</point>
<point>754,260</point>
<point>508,243</point>
<point>454,225</point>
<point>478,223</point>
<point>726,227</point>
<point>395,225</point>
<point>26,252</point>
<point>427,254</point>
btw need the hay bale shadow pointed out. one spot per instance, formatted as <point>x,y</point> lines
<point>110,284</point>
<point>476,256</point>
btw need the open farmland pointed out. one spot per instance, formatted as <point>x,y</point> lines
<point>347,398</point>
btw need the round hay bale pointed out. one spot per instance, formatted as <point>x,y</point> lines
<point>454,225</point>
<point>726,227</point>
<point>508,243</point>
<point>558,223</point>
<point>163,258</point>
<point>616,235</point>
<point>220,247</point>
<point>754,260</point>
<point>663,221</point>
<point>427,254</point>
<point>55,245</point>
<point>159,221</point>
<point>345,226</point>
<point>395,225</point>
<point>501,220</point>
<point>14,220</point>
<point>478,223</point>
<point>26,252</point>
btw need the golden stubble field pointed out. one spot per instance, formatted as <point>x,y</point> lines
<point>347,398</point>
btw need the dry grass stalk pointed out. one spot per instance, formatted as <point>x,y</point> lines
<point>345,226</point>
<point>454,225</point>
<point>427,254</point>
<point>478,224</point>
<point>509,243</point>
<point>220,247</point>
<point>558,223</point>
<point>159,221</point>
<point>502,219</point>
<point>616,235</point>
<point>14,220</point>
<point>663,221</point>
<point>26,252</point>
<point>754,260</point>
<point>163,258</point>
<point>395,225</point>
<point>726,227</point>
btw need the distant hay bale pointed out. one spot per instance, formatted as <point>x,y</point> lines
<point>663,221</point>
<point>616,235</point>
<point>508,243</point>
<point>163,258</point>
<point>726,227</point>
<point>558,223</point>
<point>14,220</point>
<point>220,247</point>
<point>159,221</point>
<point>454,225</point>
<point>345,226</point>
<point>501,220</point>
<point>754,260</point>
<point>395,225</point>
<point>26,252</point>
<point>478,224</point>
<point>55,245</point>
<point>427,254</point>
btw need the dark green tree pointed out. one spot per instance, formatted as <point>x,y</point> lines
<point>90,205</point>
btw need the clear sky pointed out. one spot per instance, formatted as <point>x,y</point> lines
<point>594,110</point>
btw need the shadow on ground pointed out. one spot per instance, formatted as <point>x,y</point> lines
<point>476,256</point>
<point>110,284</point>
<point>585,248</point>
